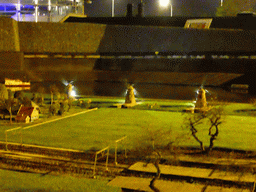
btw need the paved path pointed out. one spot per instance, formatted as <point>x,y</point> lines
<point>196,172</point>
<point>142,184</point>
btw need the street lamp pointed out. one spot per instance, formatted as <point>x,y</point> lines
<point>165,3</point>
<point>113,8</point>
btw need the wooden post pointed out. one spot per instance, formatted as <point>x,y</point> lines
<point>121,139</point>
<point>95,164</point>
<point>107,160</point>
<point>6,148</point>
<point>116,154</point>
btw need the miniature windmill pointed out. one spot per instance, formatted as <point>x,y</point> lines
<point>201,99</point>
<point>130,97</point>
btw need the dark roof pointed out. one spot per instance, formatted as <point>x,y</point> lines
<point>242,21</point>
<point>120,39</point>
<point>24,112</point>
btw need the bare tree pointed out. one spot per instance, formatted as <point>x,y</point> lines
<point>9,103</point>
<point>149,147</point>
<point>198,121</point>
<point>54,90</point>
<point>40,95</point>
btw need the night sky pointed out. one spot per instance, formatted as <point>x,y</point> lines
<point>102,8</point>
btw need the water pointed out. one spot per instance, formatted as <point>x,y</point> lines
<point>145,90</point>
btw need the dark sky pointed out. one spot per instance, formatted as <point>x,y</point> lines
<point>102,8</point>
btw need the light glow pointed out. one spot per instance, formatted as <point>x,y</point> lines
<point>49,5</point>
<point>73,93</point>
<point>164,3</point>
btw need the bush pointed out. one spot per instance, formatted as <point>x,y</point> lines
<point>54,108</point>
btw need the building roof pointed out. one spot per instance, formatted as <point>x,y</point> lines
<point>24,112</point>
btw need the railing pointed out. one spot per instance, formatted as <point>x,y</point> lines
<point>116,142</point>
<point>103,154</point>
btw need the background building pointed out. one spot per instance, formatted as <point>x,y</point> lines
<point>40,10</point>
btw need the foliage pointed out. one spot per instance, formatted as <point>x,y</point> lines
<point>84,104</point>
<point>54,108</point>
<point>54,91</point>
<point>40,96</point>
<point>26,101</point>
<point>233,7</point>
<point>253,102</point>
<point>12,105</point>
<point>19,94</point>
<point>64,107</point>
<point>3,92</point>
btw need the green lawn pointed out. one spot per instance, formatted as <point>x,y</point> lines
<point>98,129</point>
<point>19,181</point>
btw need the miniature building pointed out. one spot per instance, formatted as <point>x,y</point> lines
<point>27,114</point>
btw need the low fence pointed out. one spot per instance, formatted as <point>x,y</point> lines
<point>102,154</point>
<point>61,152</point>
<point>116,142</point>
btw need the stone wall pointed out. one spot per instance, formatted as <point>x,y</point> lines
<point>9,35</point>
<point>60,37</point>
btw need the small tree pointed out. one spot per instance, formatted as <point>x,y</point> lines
<point>54,108</point>
<point>199,121</point>
<point>19,95</point>
<point>54,91</point>
<point>40,96</point>
<point>9,103</point>
<point>149,148</point>
<point>3,92</point>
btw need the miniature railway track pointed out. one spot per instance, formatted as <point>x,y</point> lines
<point>52,165</point>
<point>45,165</point>
<point>55,161</point>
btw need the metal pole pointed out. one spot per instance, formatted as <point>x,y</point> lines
<point>107,160</point>
<point>113,8</point>
<point>171,9</point>
<point>95,164</point>
<point>6,148</point>
<point>36,11</point>
<point>18,10</point>
<point>121,139</point>
<point>116,154</point>
<point>49,10</point>
<point>221,3</point>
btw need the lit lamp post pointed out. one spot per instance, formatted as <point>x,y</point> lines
<point>36,10</point>
<point>113,8</point>
<point>165,3</point>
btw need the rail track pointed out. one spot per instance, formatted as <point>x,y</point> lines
<point>55,165</point>
<point>52,161</point>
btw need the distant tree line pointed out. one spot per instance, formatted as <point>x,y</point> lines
<point>233,7</point>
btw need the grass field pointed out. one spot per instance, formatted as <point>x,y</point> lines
<point>19,181</point>
<point>100,128</point>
